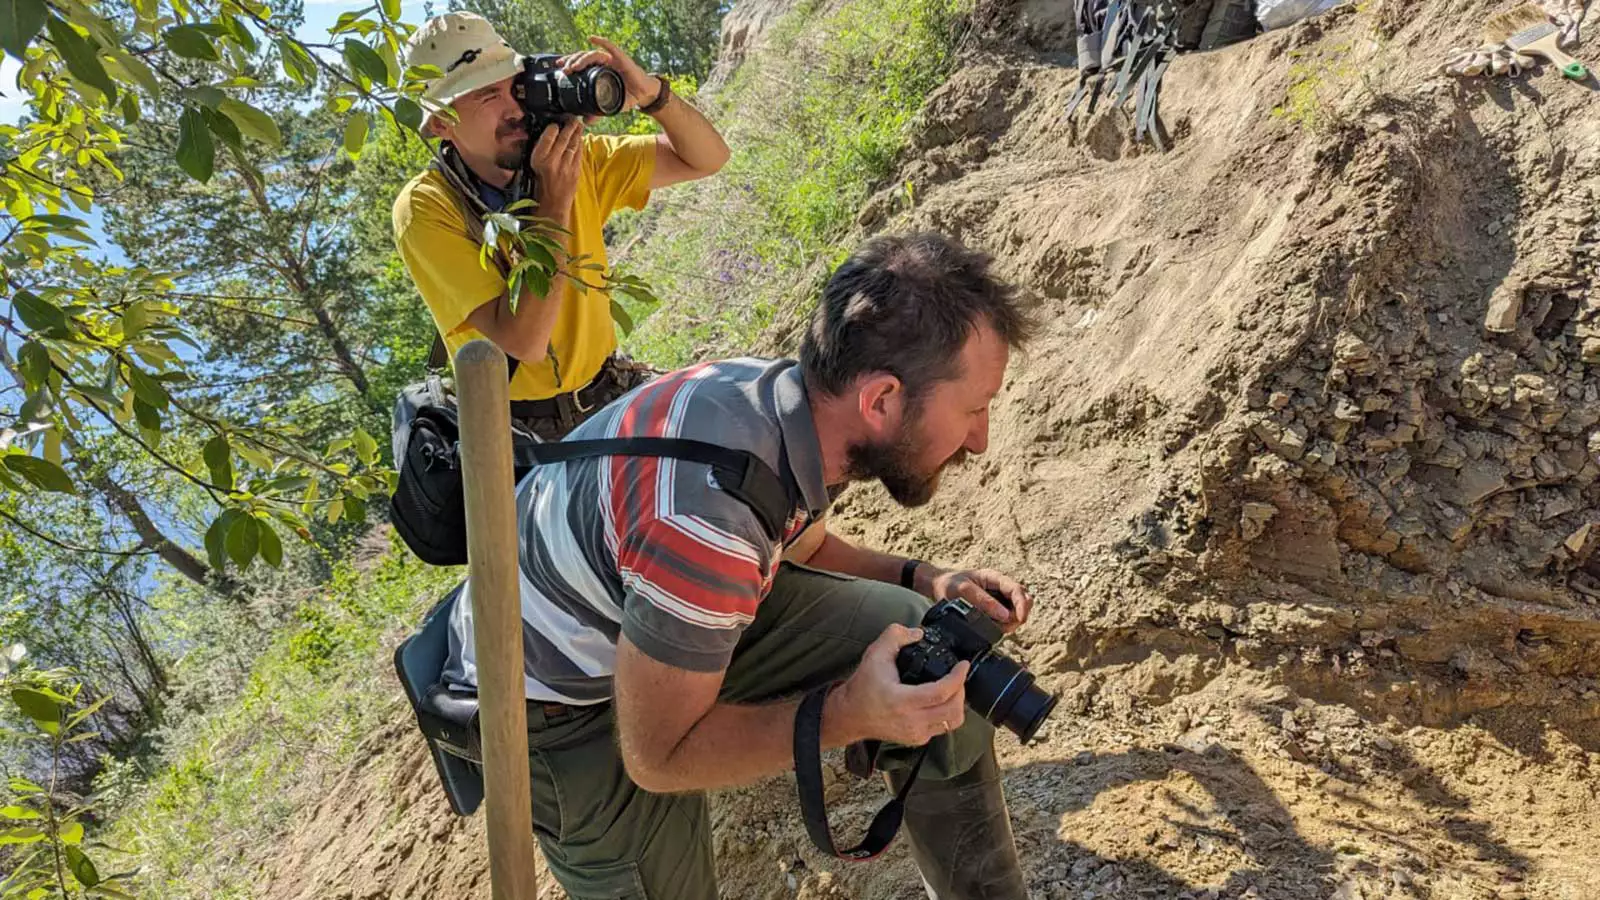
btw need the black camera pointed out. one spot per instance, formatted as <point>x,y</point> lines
<point>548,94</point>
<point>998,687</point>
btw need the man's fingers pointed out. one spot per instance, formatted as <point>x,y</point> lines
<point>571,136</point>
<point>974,594</point>
<point>938,693</point>
<point>547,137</point>
<point>891,640</point>
<point>587,59</point>
<point>953,713</point>
<point>951,685</point>
<point>1022,603</point>
<point>605,45</point>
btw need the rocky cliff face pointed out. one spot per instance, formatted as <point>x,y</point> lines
<point>1305,468</point>
<point>1326,371</point>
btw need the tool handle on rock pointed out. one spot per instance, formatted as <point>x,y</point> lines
<point>1570,67</point>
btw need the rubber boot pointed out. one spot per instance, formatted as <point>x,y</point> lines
<point>960,835</point>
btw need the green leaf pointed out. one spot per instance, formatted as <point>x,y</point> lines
<point>21,836</point>
<point>40,707</point>
<point>540,256</point>
<point>366,61</point>
<point>148,416</point>
<point>41,473</point>
<point>33,361</point>
<point>391,10</point>
<point>55,221</point>
<point>347,20</point>
<point>236,29</point>
<point>217,538</point>
<point>190,42</point>
<point>254,456</point>
<point>366,447</point>
<point>134,318</point>
<point>19,812</point>
<point>271,547</point>
<point>244,538</point>
<point>538,283</point>
<point>355,133</point>
<point>408,113</point>
<point>82,868</point>
<point>78,717</point>
<point>219,461</point>
<point>620,314</point>
<point>79,52</point>
<point>335,512</point>
<point>196,154</point>
<point>135,70</point>
<point>207,95</point>
<point>37,313</point>
<point>146,388</point>
<point>71,833</point>
<point>297,63</point>
<point>355,509</point>
<point>252,122</point>
<point>20,21</point>
<point>223,127</point>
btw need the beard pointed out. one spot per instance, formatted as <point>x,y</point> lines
<point>511,156</point>
<point>894,463</point>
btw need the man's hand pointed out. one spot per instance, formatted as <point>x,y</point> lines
<point>641,87</point>
<point>557,158</point>
<point>874,703</point>
<point>974,585</point>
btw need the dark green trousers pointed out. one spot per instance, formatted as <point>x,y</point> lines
<point>604,837</point>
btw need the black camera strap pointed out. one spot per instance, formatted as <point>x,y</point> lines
<point>813,808</point>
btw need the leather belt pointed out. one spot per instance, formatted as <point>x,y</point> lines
<point>582,400</point>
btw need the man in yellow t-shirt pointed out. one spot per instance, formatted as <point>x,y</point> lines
<point>564,342</point>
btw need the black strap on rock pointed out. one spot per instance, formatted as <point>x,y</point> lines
<point>813,808</point>
<point>741,474</point>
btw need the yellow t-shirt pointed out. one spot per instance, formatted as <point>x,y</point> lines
<point>431,233</point>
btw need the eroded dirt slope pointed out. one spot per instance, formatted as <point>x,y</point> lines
<point>1316,552</point>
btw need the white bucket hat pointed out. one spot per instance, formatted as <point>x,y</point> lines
<point>467,49</point>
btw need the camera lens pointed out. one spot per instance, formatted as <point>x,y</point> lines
<point>1003,692</point>
<point>607,92</point>
<point>546,92</point>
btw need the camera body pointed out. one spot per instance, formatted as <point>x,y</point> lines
<point>548,95</point>
<point>952,631</point>
<point>998,687</point>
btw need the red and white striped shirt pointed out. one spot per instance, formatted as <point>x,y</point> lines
<point>651,547</point>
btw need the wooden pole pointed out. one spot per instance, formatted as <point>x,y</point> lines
<point>497,615</point>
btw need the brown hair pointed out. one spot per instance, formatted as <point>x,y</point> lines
<point>905,304</point>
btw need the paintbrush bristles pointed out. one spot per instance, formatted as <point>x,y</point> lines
<point>1503,27</point>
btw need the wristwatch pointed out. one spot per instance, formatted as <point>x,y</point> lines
<point>661,99</point>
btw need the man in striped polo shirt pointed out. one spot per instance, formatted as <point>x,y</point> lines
<point>668,637</point>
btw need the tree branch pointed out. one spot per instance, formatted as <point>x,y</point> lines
<point>140,550</point>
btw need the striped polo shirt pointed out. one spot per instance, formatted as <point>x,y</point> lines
<point>651,547</point>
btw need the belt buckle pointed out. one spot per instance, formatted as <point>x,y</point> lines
<point>577,401</point>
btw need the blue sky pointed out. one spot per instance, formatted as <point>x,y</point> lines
<point>320,16</point>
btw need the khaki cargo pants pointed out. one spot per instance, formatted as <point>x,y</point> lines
<point>604,837</point>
